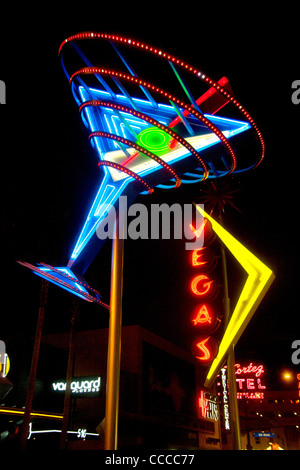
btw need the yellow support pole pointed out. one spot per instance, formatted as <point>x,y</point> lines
<point>114,341</point>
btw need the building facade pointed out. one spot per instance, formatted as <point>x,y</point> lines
<point>163,403</point>
<point>162,400</point>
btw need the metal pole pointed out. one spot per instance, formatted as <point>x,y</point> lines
<point>34,364</point>
<point>234,413</point>
<point>114,340</point>
<point>67,401</point>
<point>233,403</point>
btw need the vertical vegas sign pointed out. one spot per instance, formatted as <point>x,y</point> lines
<point>204,319</point>
<point>258,282</point>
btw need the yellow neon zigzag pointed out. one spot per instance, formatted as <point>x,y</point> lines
<point>260,278</point>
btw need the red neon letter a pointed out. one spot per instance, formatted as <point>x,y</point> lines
<point>203,316</point>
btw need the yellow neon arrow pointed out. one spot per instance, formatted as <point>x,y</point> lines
<point>260,277</point>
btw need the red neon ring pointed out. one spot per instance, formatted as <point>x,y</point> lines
<point>190,109</point>
<point>152,121</point>
<point>164,55</point>
<point>140,149</point>
<point>129,172</point>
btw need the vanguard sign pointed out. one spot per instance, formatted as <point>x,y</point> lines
<point>87,386</point>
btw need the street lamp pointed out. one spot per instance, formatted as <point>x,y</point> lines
<point>287,376</point>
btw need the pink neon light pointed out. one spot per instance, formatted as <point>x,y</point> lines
<point>250,369</point>
<point>129,159</point>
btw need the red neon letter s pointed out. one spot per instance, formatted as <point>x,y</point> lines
<point>204,349</point>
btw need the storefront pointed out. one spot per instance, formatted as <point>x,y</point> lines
<point>162,400</point>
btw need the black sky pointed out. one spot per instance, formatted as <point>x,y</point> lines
<point>49,171</point>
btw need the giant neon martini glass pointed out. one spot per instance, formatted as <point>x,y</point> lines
<point>142,143</point>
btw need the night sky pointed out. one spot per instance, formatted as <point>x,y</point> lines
<point>49,171</point>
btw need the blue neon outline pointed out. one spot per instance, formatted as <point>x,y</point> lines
<point>98,207</point>
<point>85,237</point>
<point>39,272</point>
<point>62,286</point>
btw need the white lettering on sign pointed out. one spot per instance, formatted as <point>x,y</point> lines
<point>81,433</point>
<point>225,399</point>
<point>79,386</point>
